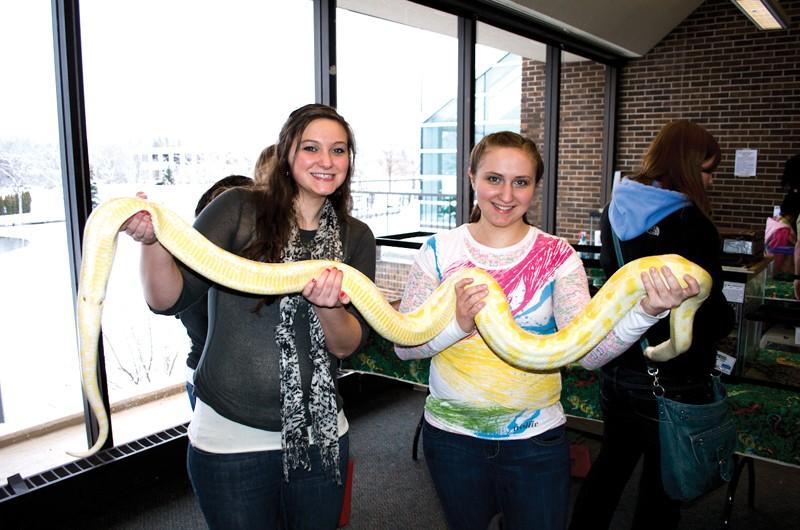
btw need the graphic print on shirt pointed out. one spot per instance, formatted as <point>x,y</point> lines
<point>479,392</point>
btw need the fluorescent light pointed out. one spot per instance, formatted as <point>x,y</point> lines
<point>766,14</point>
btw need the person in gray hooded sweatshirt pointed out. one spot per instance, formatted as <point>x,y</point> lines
<point>664,209</point>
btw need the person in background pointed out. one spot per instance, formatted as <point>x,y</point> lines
<point>268,437</point>
<point>780,234</point>
<point>790,180</point>
<point>266,159</point>
<point>494,436</point>
<point>663,209</point>
<point>195,317</point>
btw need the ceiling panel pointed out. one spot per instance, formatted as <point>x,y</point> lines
<point>627,27</point>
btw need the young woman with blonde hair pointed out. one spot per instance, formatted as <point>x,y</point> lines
<point>494,436</point>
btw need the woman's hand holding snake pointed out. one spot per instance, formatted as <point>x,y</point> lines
<point>469,300</point>
<point>664,291</point>
<point>140,225</point>
<point>326,290</point>
<point>342,330</point>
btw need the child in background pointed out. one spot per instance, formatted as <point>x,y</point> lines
<point>780,234</point>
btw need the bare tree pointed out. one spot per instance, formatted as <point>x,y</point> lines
<point>396,164</point>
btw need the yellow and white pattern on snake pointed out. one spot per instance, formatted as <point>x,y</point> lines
<point>496,325</point>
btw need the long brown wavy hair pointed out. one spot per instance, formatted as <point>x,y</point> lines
<point>675,159</point>
<point>275,201</point>
<point>504,139</point>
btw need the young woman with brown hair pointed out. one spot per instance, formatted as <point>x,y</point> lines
<point>663,209</point>
<point>268,438</point>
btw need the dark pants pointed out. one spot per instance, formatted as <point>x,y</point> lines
<point>526,480</point>
<point>244,491</point>
<point>630,432</point>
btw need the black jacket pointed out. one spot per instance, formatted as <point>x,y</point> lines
<point>692,235</point>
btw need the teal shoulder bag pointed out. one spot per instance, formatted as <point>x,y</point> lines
<point>697,442</point>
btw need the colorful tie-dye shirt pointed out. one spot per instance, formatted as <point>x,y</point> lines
<point>472,391</point>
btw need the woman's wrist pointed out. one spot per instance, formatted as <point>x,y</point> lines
<point>451,334</point>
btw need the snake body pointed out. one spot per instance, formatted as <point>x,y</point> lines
<point>495,323</point>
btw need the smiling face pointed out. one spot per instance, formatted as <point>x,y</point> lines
<point>504,184</point>
<point>320,160</point>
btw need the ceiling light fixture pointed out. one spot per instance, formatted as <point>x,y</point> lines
<point>766,14</point>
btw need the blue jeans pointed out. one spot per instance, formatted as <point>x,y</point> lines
<point>527,480</point>
<point>247,491</point>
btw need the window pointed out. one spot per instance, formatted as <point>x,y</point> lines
<point>497,87</point>
<point>178,94</point>
<point>39,367</point>
<point>391,92</point>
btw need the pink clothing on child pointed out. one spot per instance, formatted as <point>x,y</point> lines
<point>778,233</point>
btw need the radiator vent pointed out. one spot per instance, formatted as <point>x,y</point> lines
<point>17,485</point>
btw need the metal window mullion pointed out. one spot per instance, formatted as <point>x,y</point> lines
<point>465,128</point>
<point>609,132</point>
<point>325,51</point>
<point>552,91</point>
<point>75,162</point>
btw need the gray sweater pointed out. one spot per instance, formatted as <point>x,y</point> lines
<point>238,374</point>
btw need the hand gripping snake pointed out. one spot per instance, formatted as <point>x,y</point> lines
<point>523,350</point>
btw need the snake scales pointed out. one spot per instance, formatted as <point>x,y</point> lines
<point>512,344</point>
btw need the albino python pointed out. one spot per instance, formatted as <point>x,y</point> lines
<point>517,347</point>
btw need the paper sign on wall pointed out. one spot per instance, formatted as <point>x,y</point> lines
<point>745,165</point>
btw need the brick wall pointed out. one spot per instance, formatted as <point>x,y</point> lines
<point>715,68</point>
<point>532,118</point>
<point>391,270</point>
<point>580,148</point>
<point>742,84</point>
<point>580,140</point>
<point>390,277</point>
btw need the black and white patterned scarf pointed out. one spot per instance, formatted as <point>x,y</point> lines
<point>327,244</point>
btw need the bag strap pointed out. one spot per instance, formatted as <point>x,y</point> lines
<point>643,342</point>
<point>652,370</point>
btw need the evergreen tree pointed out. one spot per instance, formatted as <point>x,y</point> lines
<point>166,177</point>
